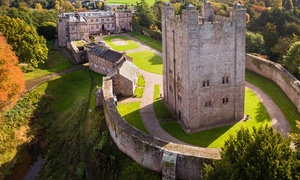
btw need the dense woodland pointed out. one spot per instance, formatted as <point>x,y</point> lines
<point>273,32</point>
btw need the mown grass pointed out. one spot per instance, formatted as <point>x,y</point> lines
<point>56,62</point>
<point>129,2</point>
<point>148,61</point>
<point>130,45</point>
<point>140,85</point>
<point>215,138</point>
<point>161,111</point>
<point>278,96</point>
<point>155,44</point>
<point>131,113</point>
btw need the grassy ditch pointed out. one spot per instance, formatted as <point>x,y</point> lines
<point>71,134</point>
<point>215,138</point>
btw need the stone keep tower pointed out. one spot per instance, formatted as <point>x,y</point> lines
<point>204,66</point>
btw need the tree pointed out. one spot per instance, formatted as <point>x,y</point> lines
<point>28,45</point>
<point>261,154</point>
<point>12,82</point>
<point>292,59</point>
<point>48,30</point>
<point>143,15</point>
<point>254,43</point>
<point>283,44</point>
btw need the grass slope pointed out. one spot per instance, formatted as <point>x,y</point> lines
<point>215,138</point>
<point>148,61</point>
<point>155,44</point>
<point>130,45</point>
<point>131,113</point>
<point>56,62</point>
<point>161,111</point>
<point>277,95</point>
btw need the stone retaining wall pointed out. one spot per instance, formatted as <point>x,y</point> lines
<point>274,71</point>
<point>175,161</point>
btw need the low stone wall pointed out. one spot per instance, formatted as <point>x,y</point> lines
<point>175,161</point>
<point>274,71</point>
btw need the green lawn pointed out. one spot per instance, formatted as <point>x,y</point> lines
<point>140,85</point>
<point>130,45</point>
<point>215,138</point>
<point>155,44</point>
<point>161,111</point>
<point>277,95</point>
<point>129,2</point>
<point>131,113</point>
<point>148,61</point>
<point>56,62</point>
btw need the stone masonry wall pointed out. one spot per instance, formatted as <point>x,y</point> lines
<point>175,161</point>
<point>274,71</point>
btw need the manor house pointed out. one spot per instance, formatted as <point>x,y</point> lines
<point>79,25</point>
<point>204,65</point>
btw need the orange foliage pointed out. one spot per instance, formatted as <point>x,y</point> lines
<point>12,82</point>
<point>258,8</point>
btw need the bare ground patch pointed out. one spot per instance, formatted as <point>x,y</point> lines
<point>119,42</point>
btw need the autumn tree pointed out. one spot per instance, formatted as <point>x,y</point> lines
<point>28,45</point>
<point>12,82</point>
<point>261,154</point>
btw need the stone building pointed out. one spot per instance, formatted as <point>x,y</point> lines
<point>79,25</point>
<point>204,66</point>
<point>124,78</point>
<point>102,60</point>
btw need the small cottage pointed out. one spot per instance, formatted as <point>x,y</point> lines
<point>102,60</point>
<point>124,77</point>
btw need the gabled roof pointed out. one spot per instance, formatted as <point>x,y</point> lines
<point>126,69</point>
<point>107,54</point>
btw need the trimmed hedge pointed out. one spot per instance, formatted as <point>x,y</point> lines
<point>154,34</point>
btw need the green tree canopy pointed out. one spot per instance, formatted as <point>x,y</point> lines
<point>143,14</point>
<point>255,43</point>
<point>261,154</point>
<point>292,59</point>
<point>48,30</point>
<point>28,45</point>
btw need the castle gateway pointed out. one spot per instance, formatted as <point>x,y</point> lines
<point>204,66</point>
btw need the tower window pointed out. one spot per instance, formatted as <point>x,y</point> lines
<point>205,83</point>
<point>208,104</point>
<point>170,71</point>
<point>225,80</point>
<point>170,88</point>
<point>225,100</point>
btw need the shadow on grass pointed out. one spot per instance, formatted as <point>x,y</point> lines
<point>155,60</point>
<point>261,113</point>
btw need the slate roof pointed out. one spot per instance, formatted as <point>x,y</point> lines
<point>126,69</point>
<point>107,54</point>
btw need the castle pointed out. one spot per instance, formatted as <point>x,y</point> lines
<point>79,25</point>
<point>204,66</point>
